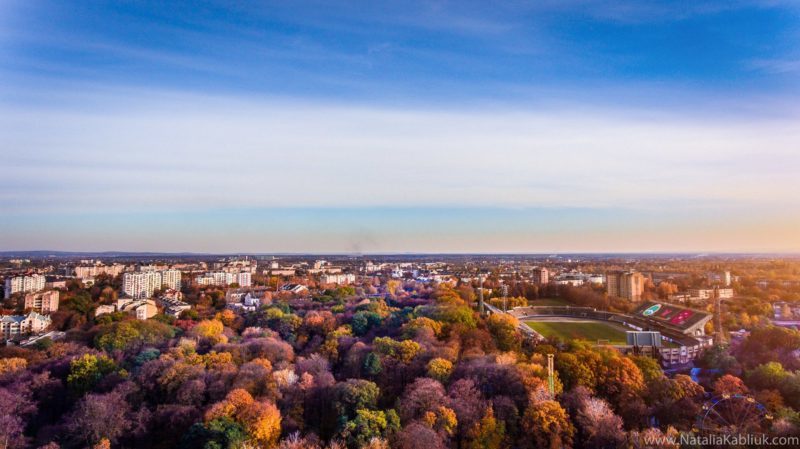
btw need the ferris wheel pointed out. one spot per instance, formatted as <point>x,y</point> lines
<point>733,414</point>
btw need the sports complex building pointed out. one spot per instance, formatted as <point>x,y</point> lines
<point>682,329</point>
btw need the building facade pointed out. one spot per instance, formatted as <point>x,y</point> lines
<point>142,309</point>
<point>541,275</point>
<point>625,284</point>
<point>92,271</point>
<point>24,284</point>
<point>171,279</point>
<point>42,302</point>
<point>224,279</point>
<point>244,279</point>
<point>708,293</point>
<point>141,285</point>
<point>15,326</point>
<point>338,278</point>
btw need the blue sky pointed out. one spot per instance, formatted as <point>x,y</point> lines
<point>544,126</point>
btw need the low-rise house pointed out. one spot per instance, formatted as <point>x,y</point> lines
<point>13,327</point>
<point>172,304</point>
<point>104,309</point>
<point>142,308</point>
<point>297,289</point>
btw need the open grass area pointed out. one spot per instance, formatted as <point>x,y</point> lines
<point>591,331</point>
<point>549,302</point>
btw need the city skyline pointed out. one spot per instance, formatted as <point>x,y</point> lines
<point>562,127</point>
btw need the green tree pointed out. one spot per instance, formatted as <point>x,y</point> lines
<point>651,370</point>
<point>355,394</point>
<point>132,335</point>
<point>368,424</point>
<point>363,321</point>
<point>372,364</point>
<point>87,370</point>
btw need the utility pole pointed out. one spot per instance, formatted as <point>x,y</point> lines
<point>551,387</point>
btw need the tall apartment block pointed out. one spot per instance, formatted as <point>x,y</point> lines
<point>24,284</point>
<point>625,284</point>
<point>42,302</point>
<point>541,275</point>
<point>171,279</point>
<point>90,271</point>
<point>141,284</point>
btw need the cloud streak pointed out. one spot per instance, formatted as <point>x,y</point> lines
<point>172,150</point>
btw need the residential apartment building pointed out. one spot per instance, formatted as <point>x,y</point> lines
<point>24,284</point>
<point>16,326</point>
<point>708,293</point>
<point>172,303</point>
<point>541,275</point>
<point>142,308</point>
<point>171,279</point>
<point>338,278</point>
<point>92,271</point>
<point>244,279</point>
<point>42,302</point>
<point>625,284</point>
<point>152,267</point>
<point>141,284</point>
<point>224,279</point>
<point>56,283</point>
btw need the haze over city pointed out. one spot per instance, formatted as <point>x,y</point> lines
<point>400,126</point>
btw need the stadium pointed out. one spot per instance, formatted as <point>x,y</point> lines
<point>681,329</point>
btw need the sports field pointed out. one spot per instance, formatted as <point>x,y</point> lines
<point>579,330</point>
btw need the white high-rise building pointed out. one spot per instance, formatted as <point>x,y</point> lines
<point>224,279</point>
<point>244,279</point>
<point>24,284</point>
<point>171,279</point>
<point>141,284</point>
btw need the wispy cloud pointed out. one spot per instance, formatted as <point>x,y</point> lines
<point>169,150</point>
<point>540,123</point>
<point>780,66</point>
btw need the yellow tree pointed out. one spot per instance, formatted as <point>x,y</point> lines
<point>12,364</point>
<point>546,425</point>
<point>210,330</point>
<point>486,433</point>
<point>440,369</point>
<point>504,330</point>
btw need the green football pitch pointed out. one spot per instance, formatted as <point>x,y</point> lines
<point>591,331</point>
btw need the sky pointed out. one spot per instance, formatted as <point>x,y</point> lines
<point>409,126</point>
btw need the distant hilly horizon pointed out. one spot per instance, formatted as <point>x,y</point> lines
<point>111,253</point>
